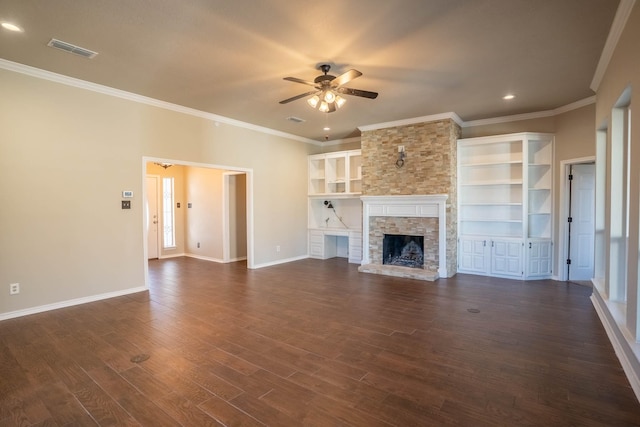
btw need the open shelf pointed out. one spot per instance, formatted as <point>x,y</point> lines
<point>505,191</point>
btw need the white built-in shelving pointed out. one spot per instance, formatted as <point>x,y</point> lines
<point>505,185</point>
<point>337,231</point>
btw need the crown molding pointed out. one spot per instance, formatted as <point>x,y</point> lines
<point>619,22</point>
<point>405,122</point>
<point>531,116</point>
<point>70,81</point>
<point>106,90</point>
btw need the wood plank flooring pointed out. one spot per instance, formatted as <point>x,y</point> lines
<point>316,343</point>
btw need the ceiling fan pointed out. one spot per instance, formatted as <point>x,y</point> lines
<point>327,90</point>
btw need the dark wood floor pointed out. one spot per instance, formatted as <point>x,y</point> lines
<point>316,343</point>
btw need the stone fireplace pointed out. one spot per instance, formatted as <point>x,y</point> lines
<point>423,217</point>
<point>416,198</point>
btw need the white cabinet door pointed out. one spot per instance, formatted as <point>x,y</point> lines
<point>506,258</point>
<point>355,247</point>
<point>539,258</point>
<point>316,244</point>
<point>473,256</point>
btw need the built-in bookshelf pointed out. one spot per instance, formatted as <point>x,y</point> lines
<point>505,186</point>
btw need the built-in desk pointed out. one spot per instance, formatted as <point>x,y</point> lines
<point>327,243</point>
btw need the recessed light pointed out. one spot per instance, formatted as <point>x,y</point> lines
<point>508,97</point>
<point>326,128</point>
<point>11,27</point>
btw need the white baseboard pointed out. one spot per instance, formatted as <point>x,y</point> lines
<point>280,261</point>
<point>172,256</point>
<point>69,303</point>
<point>204,258</point>
<point>627,350</point>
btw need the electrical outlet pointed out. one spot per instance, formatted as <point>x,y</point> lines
<point>126,204</point>
<point>400,148</point>
<point>278,248</point>
<point>14,288</point>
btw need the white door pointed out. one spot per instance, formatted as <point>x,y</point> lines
<point>582,232</point>
<point>152,217</point>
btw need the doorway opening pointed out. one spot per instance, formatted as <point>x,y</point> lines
<point>576,254</point>
<point>212,212</point>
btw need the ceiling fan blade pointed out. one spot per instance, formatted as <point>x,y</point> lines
<point>293,98</point>
<point>345,78</point>
<point>297,80</point>
<point>357,92</point>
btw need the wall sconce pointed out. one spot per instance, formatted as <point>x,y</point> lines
<point>401,156</point>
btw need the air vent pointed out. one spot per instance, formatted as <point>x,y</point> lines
<point>296,119</point>
<point>71,48</point>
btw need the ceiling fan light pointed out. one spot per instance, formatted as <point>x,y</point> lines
<point>329,96</point>
<point>324,107</point>
<point>340,101</point>
<point>313,101</point>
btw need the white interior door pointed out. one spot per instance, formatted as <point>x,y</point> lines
<point>582,234</point>
<point>152,217</point>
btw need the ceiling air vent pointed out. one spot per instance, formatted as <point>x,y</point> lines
<point>71,48</point>
<point>296,119</point>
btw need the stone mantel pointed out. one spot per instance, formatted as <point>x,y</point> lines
<point>421,206</point>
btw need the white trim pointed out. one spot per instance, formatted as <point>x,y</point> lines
<point>421,206</point>
<point>531,116</point>
<point>249,203</point>
<point>70,81</point>
<point>626,349</point>
<point>412,121</point>
<point>575,105</point>
<point>563,212</point>
<point>205,258</point>
<point>280,261</point>
<point>619,22</point>
<point>172,256</point>
<point>226,244</point>
<point>69,303</point>
<point>339,141</point>
<point>105,90</point>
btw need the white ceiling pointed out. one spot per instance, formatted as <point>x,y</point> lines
<point>229,58</point>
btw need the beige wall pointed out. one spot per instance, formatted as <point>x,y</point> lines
<point>623,72</point>
<point>66,154</point>
<point>204,217</point>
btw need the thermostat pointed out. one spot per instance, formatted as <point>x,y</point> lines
<point>127,193</point>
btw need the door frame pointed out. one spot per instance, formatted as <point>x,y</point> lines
<point>249,190</point>
<point>226,238</point>
<point>563,213</point>
<point>145,215</point>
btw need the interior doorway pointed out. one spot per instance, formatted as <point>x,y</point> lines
<point>577,220</point>
<point>237,212</point>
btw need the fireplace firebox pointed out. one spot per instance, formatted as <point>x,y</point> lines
<point>403,250</point>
